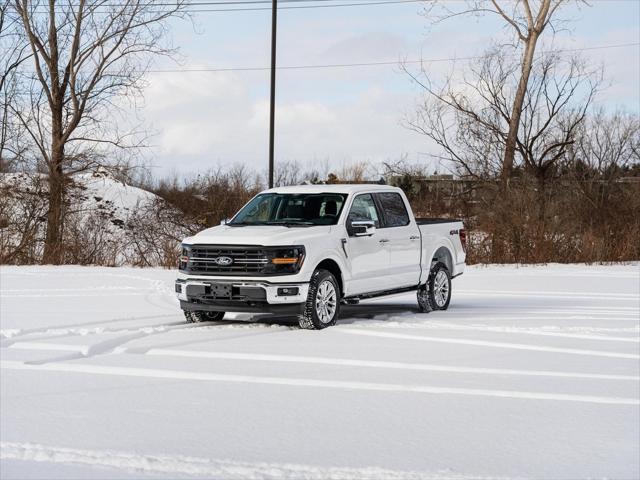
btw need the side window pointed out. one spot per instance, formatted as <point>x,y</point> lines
<point>393,209</point>
<point>363,208</point>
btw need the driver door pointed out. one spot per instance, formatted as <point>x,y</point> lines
<point>367,255</point>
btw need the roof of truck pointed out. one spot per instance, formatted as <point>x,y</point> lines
<point>333,188</point>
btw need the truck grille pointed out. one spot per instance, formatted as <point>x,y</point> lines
<point>214,259</point>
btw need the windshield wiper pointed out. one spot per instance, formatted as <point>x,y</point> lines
<point>292,223</point>
<point>284,223</point>
<point>248,224</point>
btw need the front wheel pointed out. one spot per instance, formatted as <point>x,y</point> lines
<point>323,302</point>
<point>436,294</point>
<point>202,316</point>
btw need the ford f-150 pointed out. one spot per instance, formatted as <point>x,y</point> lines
<point>305,250</point>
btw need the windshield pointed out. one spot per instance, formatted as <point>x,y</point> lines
<point>291,209</point>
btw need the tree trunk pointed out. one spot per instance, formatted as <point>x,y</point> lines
<point>516,111</point>
<point>55,219</point>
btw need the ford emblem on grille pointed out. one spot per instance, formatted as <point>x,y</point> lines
<point>223,261</point>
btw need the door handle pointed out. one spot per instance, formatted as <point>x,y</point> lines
<point>414,237</point>
<point>383,240</point>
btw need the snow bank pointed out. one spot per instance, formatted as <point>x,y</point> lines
<point>108,222</point>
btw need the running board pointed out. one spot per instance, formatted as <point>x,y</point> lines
<point>381,293</point>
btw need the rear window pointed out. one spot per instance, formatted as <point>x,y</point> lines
<point>393,210</point>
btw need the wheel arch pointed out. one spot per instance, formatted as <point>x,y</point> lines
<point>442,253</point>
<point>332,266</point>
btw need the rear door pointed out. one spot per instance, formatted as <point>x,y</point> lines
<point>368,256</point>
<point>401,237</point>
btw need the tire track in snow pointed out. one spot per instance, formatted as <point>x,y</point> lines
<point>346,362</point>
<point>81,332</point>
<point>116,344</point>
<point>571,313</point>
<point>82,294</point>
<point>80,328</point>
<point>100,348</point>
<point>455,315</point>
<point>104,288</point>
<point>303,382</point>
<point>552,294</point>
<point>9,337</point>
<point>591,309</point>
<point>182,465</point>
<point>395,324</point>
<point>497,312</point>
<point>410,322</point>
<point>533,270</point>
<point>486,343</point>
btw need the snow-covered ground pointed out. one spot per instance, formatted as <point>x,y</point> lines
<point>532,372</point>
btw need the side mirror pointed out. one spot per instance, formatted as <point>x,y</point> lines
<point>224,221</point>
<point>362,228</point>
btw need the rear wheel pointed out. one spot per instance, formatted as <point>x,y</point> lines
<point>202,316</point>
<point>436,294</point>
<point>323,302</point>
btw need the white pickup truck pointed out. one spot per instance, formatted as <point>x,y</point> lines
<point>304,250</point>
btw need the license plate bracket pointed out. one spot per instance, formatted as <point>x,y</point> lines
<point>219,290</point>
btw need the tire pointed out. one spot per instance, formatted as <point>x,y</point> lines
<point>323,302</point>
<point>436,294</point>
<point>424,304</point>
<point>202,316</point>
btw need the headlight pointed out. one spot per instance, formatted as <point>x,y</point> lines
<point>285,260</point>
<point>183,260</point>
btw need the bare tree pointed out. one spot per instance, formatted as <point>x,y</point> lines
<point>87,57</point>
<point>470,119</point>
<point>527,20</point>
<point>287,173</point>
<point>607,149</point>
<point>609,142</point>
<point>555,107</point>
<point>13,53</point>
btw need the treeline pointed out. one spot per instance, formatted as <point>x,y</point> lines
<point>583,209</point>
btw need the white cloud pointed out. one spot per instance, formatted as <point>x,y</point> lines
<point>227,124</point>
<point>345,115</point>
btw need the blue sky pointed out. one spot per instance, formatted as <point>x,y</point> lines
<point>339,116</point>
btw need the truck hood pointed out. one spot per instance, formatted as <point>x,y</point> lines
<point>267,235</point>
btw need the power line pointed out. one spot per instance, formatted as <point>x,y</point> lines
<point>371,64</point>
<point>333,5</point>
<point>186,8</point>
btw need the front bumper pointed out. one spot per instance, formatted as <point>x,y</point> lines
<point>241,296</point>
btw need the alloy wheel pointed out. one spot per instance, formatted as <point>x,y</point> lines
<point>441,288</point>
<point>326,301</point>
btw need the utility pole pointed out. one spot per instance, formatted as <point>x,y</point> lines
<point>272,111</point>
